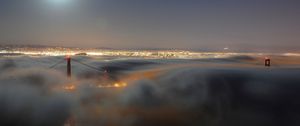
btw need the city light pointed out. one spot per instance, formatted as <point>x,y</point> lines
<point>149,54</point>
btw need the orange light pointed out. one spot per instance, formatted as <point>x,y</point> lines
<point>115,85</point>
<point>69,87</point>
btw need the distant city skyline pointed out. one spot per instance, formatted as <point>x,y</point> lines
<point>238,25</point>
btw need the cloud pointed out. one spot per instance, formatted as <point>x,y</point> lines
<point>28,97</point>
<point>209,97</point>
<point>7,64</point>
<point>178,96</point>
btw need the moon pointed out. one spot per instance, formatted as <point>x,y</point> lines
<point>59,2</point>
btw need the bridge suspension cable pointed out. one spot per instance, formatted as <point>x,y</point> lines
<point>59,62</point>
<point>89,66</point>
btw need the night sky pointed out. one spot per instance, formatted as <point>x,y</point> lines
<point>240,25</point>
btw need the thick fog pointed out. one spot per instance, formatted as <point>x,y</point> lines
<point>210,92</point>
